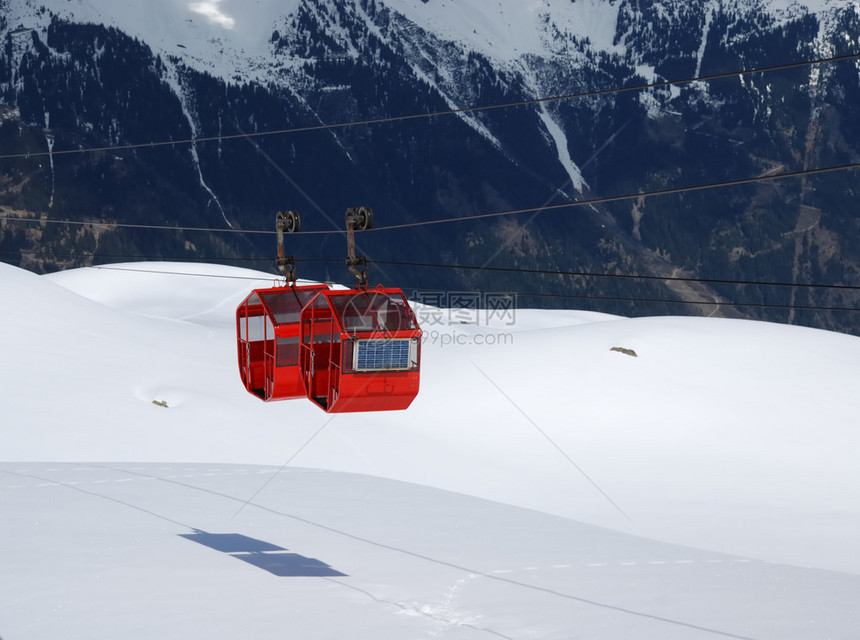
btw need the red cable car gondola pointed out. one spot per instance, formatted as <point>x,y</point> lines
<point>360,350</point>
<point>346,350</point>
<point>267,330</point>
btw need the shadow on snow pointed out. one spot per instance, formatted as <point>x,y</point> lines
<point>269,557</point>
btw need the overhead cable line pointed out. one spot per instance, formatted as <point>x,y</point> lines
<point>135,257</point>
<point>709,303</point>
<point>185,273</point>
<point>620,198</point>
<point>124,225</point>
<point>526,294</point>
<point>478,216</point>
<point>434,114</point>
<point>622,276</point>
<point>515,270</point>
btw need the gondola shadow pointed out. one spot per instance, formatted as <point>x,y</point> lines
<point>264,555</point>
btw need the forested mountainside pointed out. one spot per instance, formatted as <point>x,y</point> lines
<point>76,76</point>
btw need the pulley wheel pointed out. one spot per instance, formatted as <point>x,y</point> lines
<point>293,221</point>
<point>289,221</point>
<point>362,218</point>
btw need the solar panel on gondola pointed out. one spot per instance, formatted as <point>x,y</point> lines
<point>382,355</point>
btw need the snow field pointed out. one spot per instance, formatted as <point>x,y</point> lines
<point>537,487</point>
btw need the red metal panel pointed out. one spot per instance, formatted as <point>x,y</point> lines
<point>375,391</point>
<point>263,371</point>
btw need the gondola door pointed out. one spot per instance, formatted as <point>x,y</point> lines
<point>255,335</point>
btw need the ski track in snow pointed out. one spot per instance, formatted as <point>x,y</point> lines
<point>189,473</point>
<point>442,574</point>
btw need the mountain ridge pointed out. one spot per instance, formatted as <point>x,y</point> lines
<point>67,84</point>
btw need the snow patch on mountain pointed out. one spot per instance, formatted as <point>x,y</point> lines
<point>175,83</point>
<point>220,37</point>
<point>212,11</point>
<point>558,137</point>
<point>709,18</point>
<point>509,29</point>
<point>232,39</point>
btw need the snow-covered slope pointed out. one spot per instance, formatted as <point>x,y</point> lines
<point>736,440</point>
<point>712,423</point>
<point>164,550</point>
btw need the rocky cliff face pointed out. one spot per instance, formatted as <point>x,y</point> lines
<point>76,80</point>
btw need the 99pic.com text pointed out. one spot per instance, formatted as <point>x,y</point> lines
<point>449,337</point>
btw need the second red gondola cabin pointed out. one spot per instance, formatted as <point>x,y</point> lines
<point>360,350</point>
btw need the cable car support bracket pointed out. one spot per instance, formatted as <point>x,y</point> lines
<point>360,218</point>
<point>286,222</point>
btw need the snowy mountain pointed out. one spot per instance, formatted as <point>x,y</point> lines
<point>542,484</point>
<point>77,74</point>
